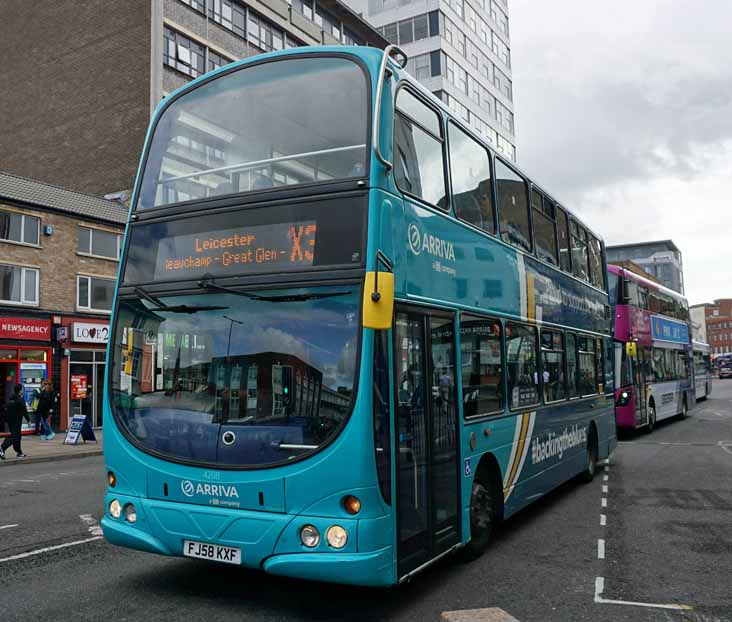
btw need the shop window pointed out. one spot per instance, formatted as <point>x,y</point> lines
<point>95,294</point>
<point>21,228</point>
<point>99,243</point>
<point>18,285</point>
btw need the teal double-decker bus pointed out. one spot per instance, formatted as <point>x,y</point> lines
<point>348,337</point>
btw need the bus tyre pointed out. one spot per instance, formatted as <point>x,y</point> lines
<point>684,409</point>
<point>591,468</point>
<point>483,512</point>
<point>651,418</point>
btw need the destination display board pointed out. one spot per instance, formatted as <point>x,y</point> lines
<point>289,237</point>
<point>257,248</point>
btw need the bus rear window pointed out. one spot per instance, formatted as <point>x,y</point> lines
<point>279,123</point>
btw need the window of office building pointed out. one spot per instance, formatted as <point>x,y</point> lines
<point>15,227</point>
<point>197,5</point>
<point>94,294</point>
<point>183,54</point>
<point>18,285</point>
<point>216,60</point>
<point>99,243</point>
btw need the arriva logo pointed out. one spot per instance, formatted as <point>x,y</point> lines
<point>429,243</point>
<point>188,488</point>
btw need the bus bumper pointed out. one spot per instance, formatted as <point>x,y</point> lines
<point>373,568</point>
<point>125,535</point>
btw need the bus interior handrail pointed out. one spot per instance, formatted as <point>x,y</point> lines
<point>243,166</point>
<point>379,88</point>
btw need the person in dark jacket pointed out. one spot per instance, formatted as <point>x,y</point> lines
<point>45,409</point>
<point>15,412</point>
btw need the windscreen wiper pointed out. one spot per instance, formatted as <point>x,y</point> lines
<point>208,284</point>
<point>161,306</point>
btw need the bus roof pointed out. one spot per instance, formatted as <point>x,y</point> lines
<point>372,56</point>
<point>620,271</point>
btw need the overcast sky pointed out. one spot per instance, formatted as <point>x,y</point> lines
<point>624,112</point>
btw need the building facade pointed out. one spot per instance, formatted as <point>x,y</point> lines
<point>719,325</point>
<point>698,323</point>
<point>661,259</point>
<point>97,69</point>
<point>59,255</point>
<point>461,51</point>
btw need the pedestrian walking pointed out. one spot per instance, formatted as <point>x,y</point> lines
<point>44,410</point>
<point>15,412</point>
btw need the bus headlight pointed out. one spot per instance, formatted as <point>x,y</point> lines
<point>130,513</point>
<point>115,508</point>
<point>623,398</point>
<point>336,536</point>
<point>310,536</point>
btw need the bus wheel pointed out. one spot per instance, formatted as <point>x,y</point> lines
<point>684,409</point>
<point>589,473</point>
<point>483,512</point>
<point>651,418</point>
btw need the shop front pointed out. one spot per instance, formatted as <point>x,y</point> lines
<point>84,343</point>
<point>25,358</point>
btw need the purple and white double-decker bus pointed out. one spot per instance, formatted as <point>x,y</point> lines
<point>653,351</point>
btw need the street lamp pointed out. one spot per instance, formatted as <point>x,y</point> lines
<point>233,321</point>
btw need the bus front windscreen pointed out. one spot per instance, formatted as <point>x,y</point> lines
<point>283,122</point>
<point>275,368</point>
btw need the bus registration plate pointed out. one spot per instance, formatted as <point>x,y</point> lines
<point>214,552</point>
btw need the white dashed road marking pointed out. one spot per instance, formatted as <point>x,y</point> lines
<point>492,614</point>
<point>600,581</point>
<point>8,526</point>
<point>600,588</point>
<point>91,524</point>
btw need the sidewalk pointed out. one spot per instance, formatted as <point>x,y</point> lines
<point>39,450</point>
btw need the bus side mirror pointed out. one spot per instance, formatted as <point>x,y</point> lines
<point>378,300</point>
<point>631,349</point>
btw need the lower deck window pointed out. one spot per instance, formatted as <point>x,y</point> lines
<point>482,365</point>
<point>521,355</point>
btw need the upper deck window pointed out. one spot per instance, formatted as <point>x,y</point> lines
<point>471,180</point>
<point>419,166</point>
<point>513,206</point>
<point>280,123</point>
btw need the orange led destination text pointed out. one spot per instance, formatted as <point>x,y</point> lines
<point>214,251</point>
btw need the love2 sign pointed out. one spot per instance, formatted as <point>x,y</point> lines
<point>86,332</point>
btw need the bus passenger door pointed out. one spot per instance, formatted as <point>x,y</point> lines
<point>639,387</point>
<point>427,437</point>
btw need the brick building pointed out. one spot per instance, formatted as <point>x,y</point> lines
<point>719,325</point>
<point>87,75</point>
<point>59,255</point>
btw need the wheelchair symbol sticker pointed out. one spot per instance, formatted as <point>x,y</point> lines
<point>467,469</point>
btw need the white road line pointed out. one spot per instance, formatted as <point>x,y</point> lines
<point>92,524</point>
<point>26,481</point>
<point>607,468</point>
<point>603,520</point>
<point>600,588</point>
<point>600,548</point>
<point>605,478</point>
<point>48,548</point>
<point>604,502</point>
<point>492,614</point>
<point>604,489</point>
<point>8,526</point>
